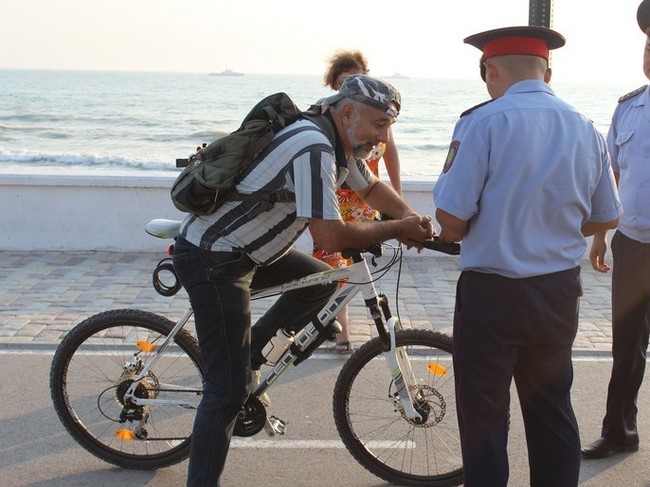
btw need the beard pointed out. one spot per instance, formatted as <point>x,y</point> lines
<point>362,150</point>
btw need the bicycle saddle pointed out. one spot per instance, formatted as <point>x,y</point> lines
<point>162,228</point>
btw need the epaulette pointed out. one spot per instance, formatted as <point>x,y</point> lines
<point>470,110</point>
<point>632,94</point>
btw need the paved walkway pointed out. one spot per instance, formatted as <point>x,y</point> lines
<point>44,294</point>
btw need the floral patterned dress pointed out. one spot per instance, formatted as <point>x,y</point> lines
<point>353,209</point>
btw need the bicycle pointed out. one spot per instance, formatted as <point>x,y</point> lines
<point>125,383</point>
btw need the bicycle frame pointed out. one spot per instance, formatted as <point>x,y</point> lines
<point>126,383</point>
<point>159,352</point>
<point>356,278</point>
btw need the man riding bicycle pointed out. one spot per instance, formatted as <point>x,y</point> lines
<point>219,258</point>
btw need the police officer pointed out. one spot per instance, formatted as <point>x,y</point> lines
<point>629,145</point>
<point>527,177</point>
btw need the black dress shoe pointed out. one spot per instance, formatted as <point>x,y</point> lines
<point>602,448</point>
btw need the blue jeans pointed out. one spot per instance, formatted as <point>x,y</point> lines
<point>219,285</point>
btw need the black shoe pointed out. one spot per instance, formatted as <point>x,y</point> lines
<point>602,448</point>
<point>331,330</point>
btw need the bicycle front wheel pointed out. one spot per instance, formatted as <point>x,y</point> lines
<point>374,427</point>
<point>95,365</point>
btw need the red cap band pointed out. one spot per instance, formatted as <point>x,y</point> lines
<point>503,46</point>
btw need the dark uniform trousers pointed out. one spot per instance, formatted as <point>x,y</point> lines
<point>524,329</point>
<point>630,329</point>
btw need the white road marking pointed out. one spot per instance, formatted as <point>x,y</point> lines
<point>286,443</point>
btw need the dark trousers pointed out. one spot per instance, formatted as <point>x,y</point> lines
<point>219,285</point>
<point>630,329</point>
<point>522,329</point>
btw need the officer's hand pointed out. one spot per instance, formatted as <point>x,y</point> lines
<point>597,254</point>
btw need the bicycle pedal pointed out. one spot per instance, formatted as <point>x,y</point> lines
<point>268,427</point>
<point>274,426</point>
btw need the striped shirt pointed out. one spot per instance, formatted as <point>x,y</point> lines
<point>300,159</point>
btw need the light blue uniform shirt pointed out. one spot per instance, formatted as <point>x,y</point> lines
<point>628,141</point>
<point>527,171</point>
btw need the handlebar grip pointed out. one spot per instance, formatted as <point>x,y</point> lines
<point>375,249</point>
<point>439,246</point>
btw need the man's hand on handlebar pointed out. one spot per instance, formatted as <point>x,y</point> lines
<point>416,229</point>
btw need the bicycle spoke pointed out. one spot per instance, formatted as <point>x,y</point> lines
<point>94,369</point>
<point>374,426</point>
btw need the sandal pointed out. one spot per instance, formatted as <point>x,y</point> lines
<point>344,347</point>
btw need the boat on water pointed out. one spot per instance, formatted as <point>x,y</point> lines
<point>227,72</point>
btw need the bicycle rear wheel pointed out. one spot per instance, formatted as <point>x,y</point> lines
<point>88,380</point>
<point>372,424</point>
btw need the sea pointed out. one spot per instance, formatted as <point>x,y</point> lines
<point>98,122</point>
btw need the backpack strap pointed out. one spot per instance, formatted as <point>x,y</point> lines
<point>260,143</point>
<point>265,200</point>
<point>322,121</point>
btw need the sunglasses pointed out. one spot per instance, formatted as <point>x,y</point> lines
<point>482,68</point>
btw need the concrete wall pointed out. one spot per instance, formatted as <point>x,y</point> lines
<point>99,212</point>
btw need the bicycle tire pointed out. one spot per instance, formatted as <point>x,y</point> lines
<point>87,377</point>
<point>371,422</point>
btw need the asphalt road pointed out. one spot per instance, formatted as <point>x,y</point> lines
<point>35,450</point>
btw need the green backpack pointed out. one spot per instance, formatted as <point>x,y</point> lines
<point>211,173</point>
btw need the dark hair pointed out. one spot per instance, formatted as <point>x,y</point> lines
<point>343,61</point>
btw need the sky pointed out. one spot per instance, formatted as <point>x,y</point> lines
<point>417,38</point>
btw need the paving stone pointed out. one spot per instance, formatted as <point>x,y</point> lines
<point>44,294</point>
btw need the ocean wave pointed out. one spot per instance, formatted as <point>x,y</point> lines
<point>82,160</point>
<point>31,117</point>
<point>24,128</point>
<point>49,134</point>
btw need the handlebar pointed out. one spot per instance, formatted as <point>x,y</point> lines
<point>439,246</point>
<point>432,244</point>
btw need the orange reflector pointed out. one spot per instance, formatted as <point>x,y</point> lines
<point>146,346</point>
<point>437,369</point>
<point>125,434</point>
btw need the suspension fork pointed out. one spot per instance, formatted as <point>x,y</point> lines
<point>396,358</point>
<point>401,370</point>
